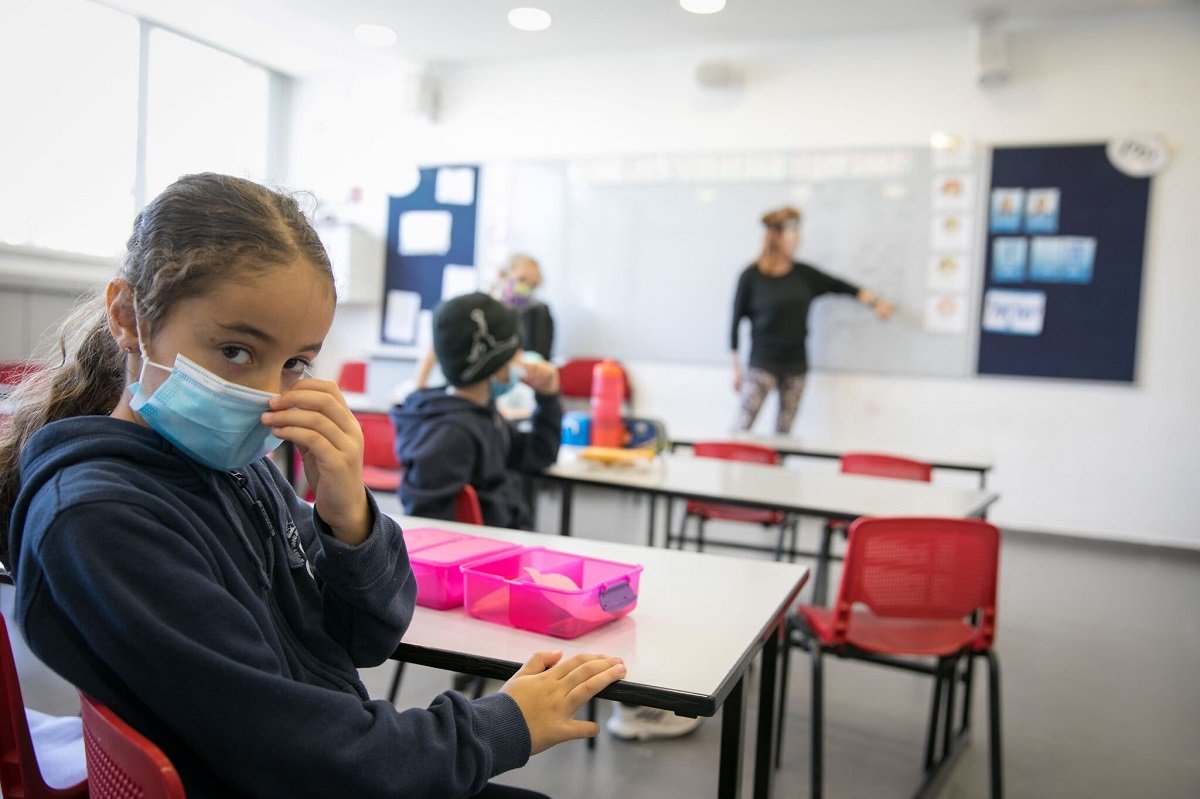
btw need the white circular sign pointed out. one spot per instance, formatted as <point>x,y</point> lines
<point>1140,155</point>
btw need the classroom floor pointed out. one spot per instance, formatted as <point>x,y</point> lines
<point>1100,657</point>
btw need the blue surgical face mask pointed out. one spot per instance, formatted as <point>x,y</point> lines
<point>210,419</point>
<point>501,387</point>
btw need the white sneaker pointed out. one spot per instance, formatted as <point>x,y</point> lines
<point>632,723</point>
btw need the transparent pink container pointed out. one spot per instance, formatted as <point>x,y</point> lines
<point>550,592</point>
<point>436,568</point>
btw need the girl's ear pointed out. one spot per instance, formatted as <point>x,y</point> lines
<point>122,319</point>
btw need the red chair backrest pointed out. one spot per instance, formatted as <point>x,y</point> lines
<point>575,378</point>
<point>121,762</point>
<point>353,376</point>
<point>735,451</point>
<point>379,440</point>
<point>19,772</point>
<point>876,465</point>
<point>14,372</point>
<point>466,507</point>
<point>921,568</point>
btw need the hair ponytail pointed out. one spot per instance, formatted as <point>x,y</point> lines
<point>85,377</point>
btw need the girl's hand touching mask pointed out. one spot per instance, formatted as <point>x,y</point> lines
<point>313,415</point>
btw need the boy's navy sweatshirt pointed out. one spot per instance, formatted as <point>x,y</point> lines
<point>444,442</point>
<point>216,613</point>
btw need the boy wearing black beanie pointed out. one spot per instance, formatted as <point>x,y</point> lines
<point>452,436</point>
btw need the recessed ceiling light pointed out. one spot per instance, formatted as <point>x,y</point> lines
<point>529,19</point>
<point>375,35</point>
<point>702,6</point>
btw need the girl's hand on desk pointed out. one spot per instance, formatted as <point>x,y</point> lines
<point>313,415</point>
<point>549,690</point>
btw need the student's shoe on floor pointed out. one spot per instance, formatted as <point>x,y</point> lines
<point>633,723</point>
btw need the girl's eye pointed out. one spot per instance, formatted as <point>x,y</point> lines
<point>296,365</point>
<point>236,355</point>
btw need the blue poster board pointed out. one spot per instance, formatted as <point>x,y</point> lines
<point>428,230</point>
<point>1066,235</point>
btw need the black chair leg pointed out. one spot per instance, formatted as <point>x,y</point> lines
<point>395,688</point>
<point>818,719</point>
<point>948,719</point>
<point>934,716</point>
<point>967,691</point>
<point>820,584</point>
<point>997,766</point>
<point>699,535</point>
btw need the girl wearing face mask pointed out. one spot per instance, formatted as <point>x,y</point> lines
<point>164,567</point>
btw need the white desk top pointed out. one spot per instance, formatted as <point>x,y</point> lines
<point>838,495</point>
<point>836,447</point>
<point>698,621</point>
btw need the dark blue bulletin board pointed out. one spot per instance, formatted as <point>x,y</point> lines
<point>1065,243</point>
<point>429,229</point>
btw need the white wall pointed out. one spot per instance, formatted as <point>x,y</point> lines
<point>1075,458</point>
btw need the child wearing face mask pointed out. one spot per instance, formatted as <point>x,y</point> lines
<point>450,437</point>
<point>167,569</point>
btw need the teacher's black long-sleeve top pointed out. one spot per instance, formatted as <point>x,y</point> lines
<point>777,307</point>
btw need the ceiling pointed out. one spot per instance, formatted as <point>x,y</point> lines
<point>309,37</point>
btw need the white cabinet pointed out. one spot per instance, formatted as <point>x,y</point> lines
<point>357,258</point>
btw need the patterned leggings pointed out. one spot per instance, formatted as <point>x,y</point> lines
<point>757,384</point>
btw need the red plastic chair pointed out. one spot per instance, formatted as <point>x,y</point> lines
<point>353,377</point>
<point>19,772</point>
<point>14,372</point>
<point>381,470</point>
<point>871,464</point>
<point>706,511</point>
<point>466,507</point>
<point>122,763</point>
<point>913,588</point>
<point>575,379</point>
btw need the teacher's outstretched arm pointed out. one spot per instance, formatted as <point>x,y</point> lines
<point>883,309</point>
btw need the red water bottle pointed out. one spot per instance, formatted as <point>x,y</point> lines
<point>608,389</point>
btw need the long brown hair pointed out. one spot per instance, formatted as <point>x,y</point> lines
<point>201,231</point>
<point>775,221</point>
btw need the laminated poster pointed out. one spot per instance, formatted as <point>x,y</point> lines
<point>1009,257</point>
<point>1007,206</point>
<point>425,232</point>
<point>400,316</point>
<point>1062,259</point>
<point>1016,313</point>
<point>948,272</point>
<point>1041,210</point>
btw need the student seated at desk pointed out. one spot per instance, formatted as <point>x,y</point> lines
<point>165,567</point>
<point>449,437</point>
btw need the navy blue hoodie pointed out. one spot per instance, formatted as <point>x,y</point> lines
<point>444,441</point>
<point>216,613</point>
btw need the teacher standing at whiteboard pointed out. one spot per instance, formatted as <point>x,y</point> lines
<point>774,293</point>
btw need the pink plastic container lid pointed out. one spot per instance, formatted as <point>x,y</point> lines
<point>419,538</point>
<point>436,568</point>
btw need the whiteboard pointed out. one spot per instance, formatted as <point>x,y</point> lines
<point>641,255</point>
